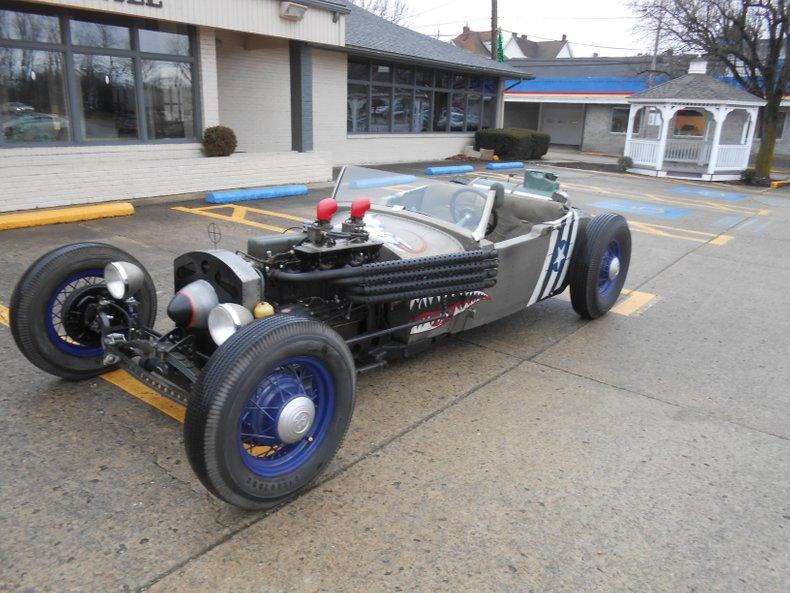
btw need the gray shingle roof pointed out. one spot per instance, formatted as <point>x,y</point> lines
<point>697,87</point>
<point>371,35</point>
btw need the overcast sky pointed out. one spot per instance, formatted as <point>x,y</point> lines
<point>604,23</point>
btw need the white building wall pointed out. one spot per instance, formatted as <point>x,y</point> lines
<point>209,90</point>
<point>58,176</point>
<point>329,104</point>
<point>254,81</point>
<point>251,16</point>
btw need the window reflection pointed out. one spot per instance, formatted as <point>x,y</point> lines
<point>357,108</point>
<point>106,90</point>
<point>440,102</point>
<point>422,111</point>
<point>99,35</point>
<point>168,98</point>
<point>165,40</point>
<point>489,109</point>
<point>473,113</point>
<point>29,27</point>
<point>401,110</point>
<point>32,96</point>
<point>380,109</point>
<point>458,113</point>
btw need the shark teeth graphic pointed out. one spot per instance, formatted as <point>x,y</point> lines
<point>424,308</point>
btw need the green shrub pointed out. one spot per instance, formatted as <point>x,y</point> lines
<point>540,145</point>
<point>513,143</point>
<point>624,163</point>
<point>219,141</point>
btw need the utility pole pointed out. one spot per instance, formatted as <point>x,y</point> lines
<point>654,60</point>
<point>494,22</point>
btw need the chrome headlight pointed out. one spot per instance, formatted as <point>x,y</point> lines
<point>226,319</point>
<point>123,279</point>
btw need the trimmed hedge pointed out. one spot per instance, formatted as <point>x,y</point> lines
<point>219,141</point>
<point>513,143</point>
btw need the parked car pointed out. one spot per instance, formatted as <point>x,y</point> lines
<point>267,343</point>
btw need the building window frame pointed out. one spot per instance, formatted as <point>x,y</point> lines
<point>612,117</point>
<point>67,50</point>
<point>414,88</point>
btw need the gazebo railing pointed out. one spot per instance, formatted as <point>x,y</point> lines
<point>643,152</point>
<point>687,151</point>
<point>732,157</point>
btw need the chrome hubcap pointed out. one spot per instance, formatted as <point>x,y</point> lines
<point>296,419</point>
<point>614,268</point>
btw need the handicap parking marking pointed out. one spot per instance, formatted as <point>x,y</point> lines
<point>128,384</point>
<point>642,208</point>
<point>710,194</point>
<point>713,205</point>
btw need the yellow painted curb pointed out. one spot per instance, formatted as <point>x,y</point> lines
<point>30,218</point>
<point>778,184</point>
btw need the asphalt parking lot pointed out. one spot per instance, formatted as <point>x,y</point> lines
<point>645,451</point>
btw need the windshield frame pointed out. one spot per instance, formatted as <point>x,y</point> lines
<point>478,234</point>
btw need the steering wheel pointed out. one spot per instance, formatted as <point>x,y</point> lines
<point>467,215</point>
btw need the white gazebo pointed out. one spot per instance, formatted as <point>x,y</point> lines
<point>692,127</point>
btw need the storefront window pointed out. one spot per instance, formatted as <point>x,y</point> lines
<point>33,96</point>
<point>405,99</point>
<point>99,35</point>
<point>473,117</point>
<point>380,109</point>
<point>168,39</point>
<point>401,110</point>
<point>25,26</point>
<point>106,91</point>
<point>168,98</point>
<point>357,108</point>
<point>129,81</point>
<point>440,104</point>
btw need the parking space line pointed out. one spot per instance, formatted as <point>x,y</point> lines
<point>241,212</point>
<point>237,216</point>
<point>635,302</point>
<point>630,303</point>
<point>679,233</point>
<point>129,384</point>
<point>135,388</point>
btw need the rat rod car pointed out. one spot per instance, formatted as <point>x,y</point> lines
<point>268,342</point>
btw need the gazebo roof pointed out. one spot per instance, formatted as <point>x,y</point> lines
<point>696,88</point>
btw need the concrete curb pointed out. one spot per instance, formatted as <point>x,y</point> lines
<point>256,193</point>
<point>778,184</point>
<point>32,218</point>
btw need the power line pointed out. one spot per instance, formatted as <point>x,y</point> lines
<point>485,18</point>
<point>431,9</point>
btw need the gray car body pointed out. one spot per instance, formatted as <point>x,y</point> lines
<point>532,266</point>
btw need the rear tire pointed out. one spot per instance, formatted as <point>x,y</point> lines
<point>39,301</point>
<point>600,265</point>
<point>234,425</point>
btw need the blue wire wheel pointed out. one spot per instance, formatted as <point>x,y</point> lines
<point>609,270</point>
<point>65,312</point>
<point>286,417</point>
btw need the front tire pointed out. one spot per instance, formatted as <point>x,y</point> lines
<point>51,300</point>
<point>600,265</point>
<point>270,410</point>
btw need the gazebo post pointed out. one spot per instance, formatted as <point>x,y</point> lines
<point>752,131</point>
<point>667,111</point>
<point>719,115</point>
<point>630,129</point>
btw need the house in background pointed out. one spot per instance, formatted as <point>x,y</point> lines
<point>515,46</point>
<point>583,102</point>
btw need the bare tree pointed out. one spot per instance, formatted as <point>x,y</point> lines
<point>749,38</point>
<point>392,10</point>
